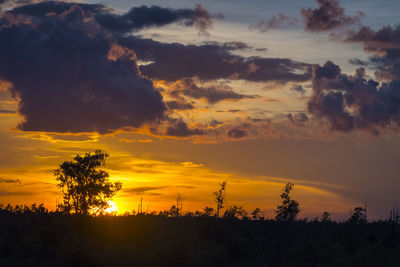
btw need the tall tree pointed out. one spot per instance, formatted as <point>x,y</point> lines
<point>220,197</point>
<point>289,208</point>
<point>84,186</point>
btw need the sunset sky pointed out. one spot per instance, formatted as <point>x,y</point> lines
<point>186,94</point>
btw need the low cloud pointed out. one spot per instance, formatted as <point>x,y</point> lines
<point>10,181</point>
<point>143,189</point>
<point>236,133</point>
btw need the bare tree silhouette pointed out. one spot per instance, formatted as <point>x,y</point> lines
<point>220,197</point>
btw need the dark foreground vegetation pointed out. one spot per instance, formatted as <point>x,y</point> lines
<point>35,237</point>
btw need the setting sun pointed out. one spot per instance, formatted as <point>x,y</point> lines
<point>112,208</point>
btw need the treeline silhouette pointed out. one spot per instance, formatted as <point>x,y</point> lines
<point>35,236</point>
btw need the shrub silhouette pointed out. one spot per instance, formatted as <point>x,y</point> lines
<point>84,187</point>
<point>255,214</point>
<point>289,208</point>
<point>326,217</point>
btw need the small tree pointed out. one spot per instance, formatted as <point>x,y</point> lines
<point>358,215</point>
<point>220,197</point>
<point>84,187</point>
<point>289,208</point>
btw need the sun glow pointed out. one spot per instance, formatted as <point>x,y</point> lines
<point>112,207</point>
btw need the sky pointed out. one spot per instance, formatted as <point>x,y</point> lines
<point>186,94</point>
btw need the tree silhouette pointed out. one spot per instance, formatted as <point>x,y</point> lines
<point>289,208</point>
<point>84,187</point>
<point>358,215</point>
<point>220,197</point>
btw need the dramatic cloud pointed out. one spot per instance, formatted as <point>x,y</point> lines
<point>175,61</point>
<point>71,77</point>
<point>275,22</point>
<point>383,45</point>
<point>328,16</point>
<point>73,68</point>
<point>213,93</point>
<point>353,102</point>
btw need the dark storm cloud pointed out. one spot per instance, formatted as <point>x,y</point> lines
<point>213,93</point>
<point>175,61</point>
<point>350,102</point>
<point>328,16</point>
<point>275,22</point>
<point>71,77</point>
<point>383,45</point>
